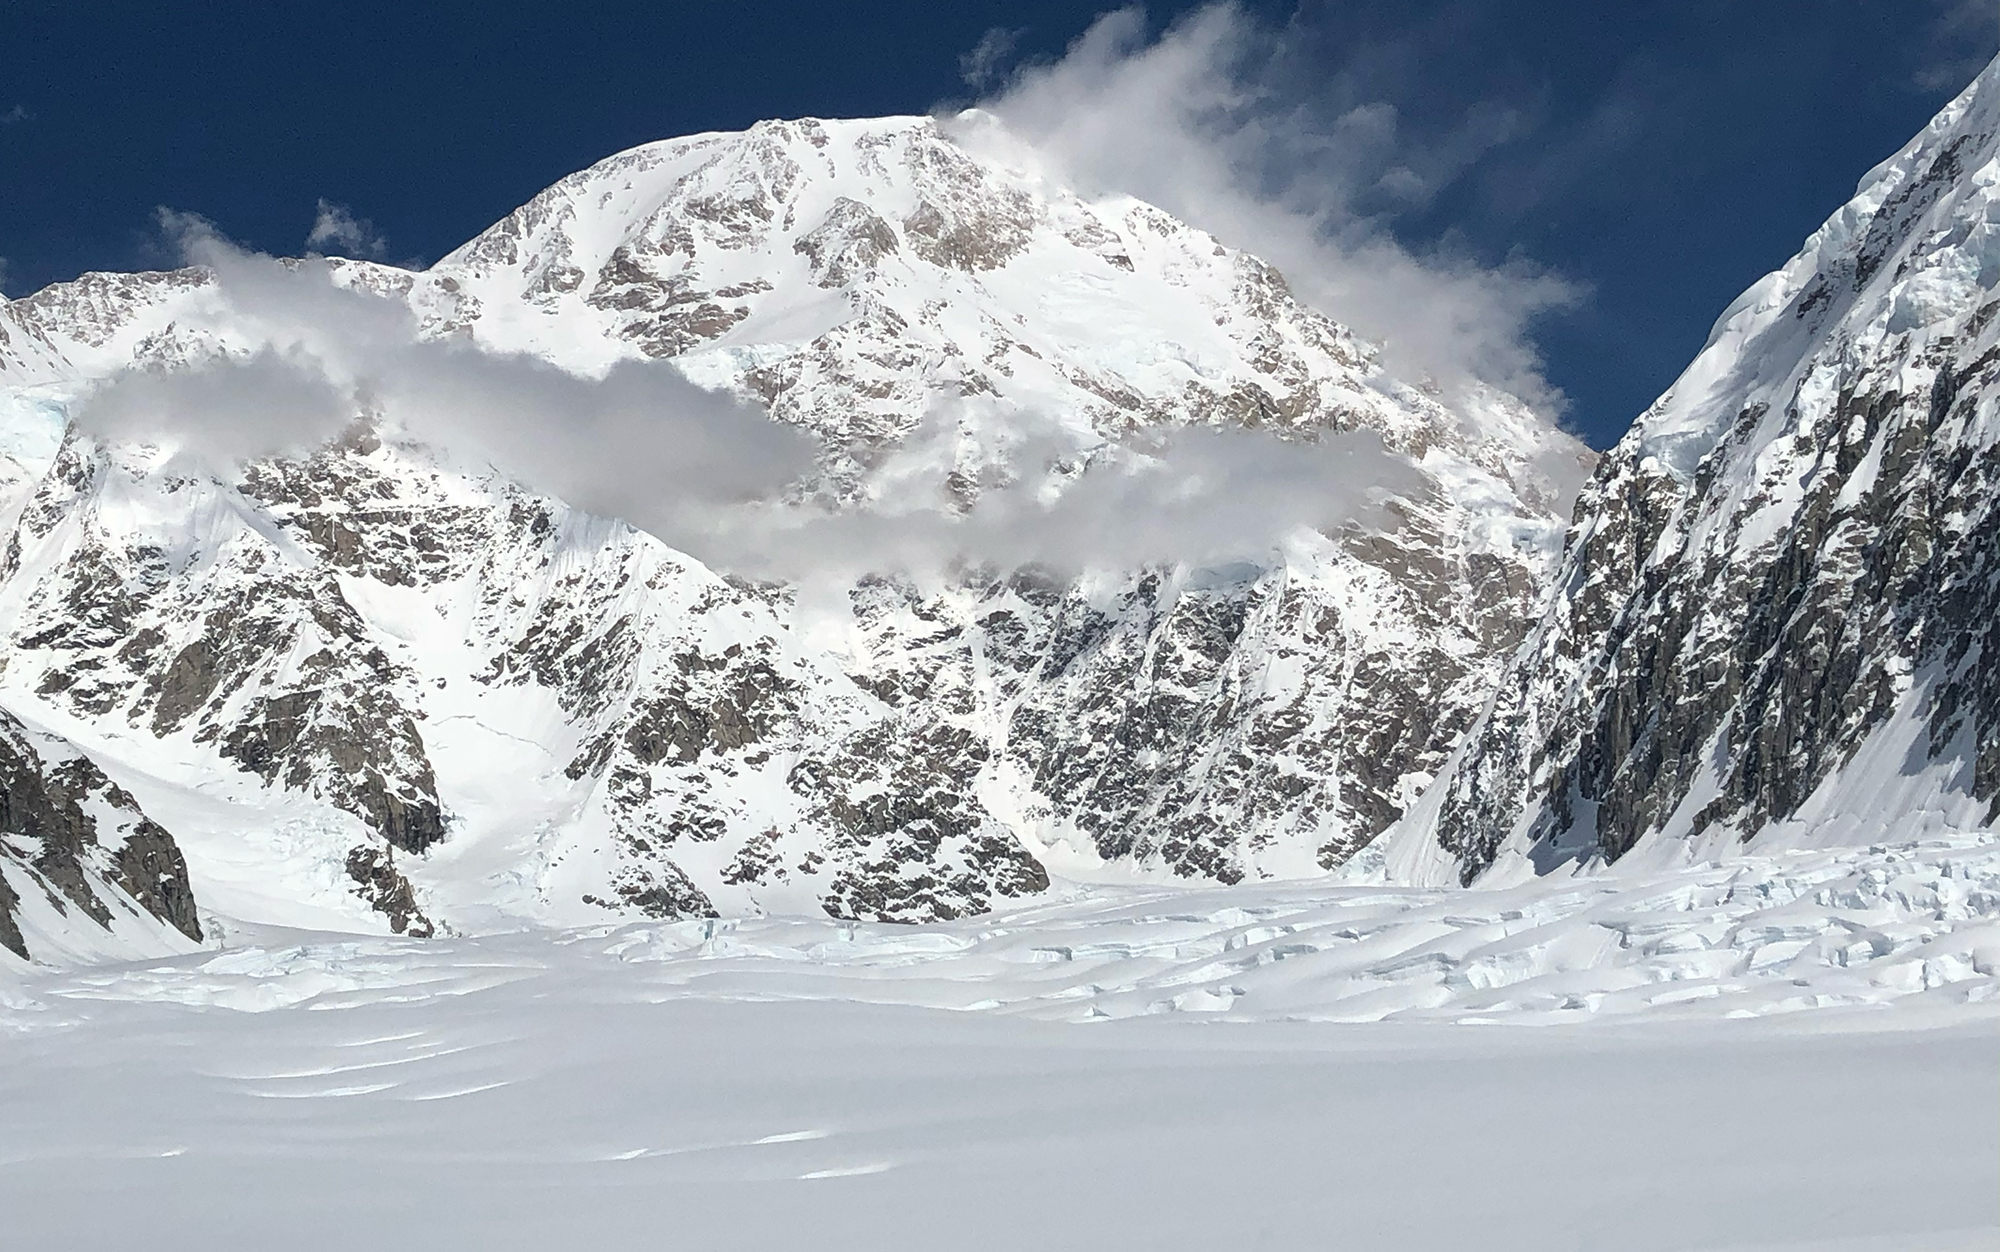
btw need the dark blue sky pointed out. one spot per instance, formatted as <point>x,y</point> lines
<point>1662,154</point>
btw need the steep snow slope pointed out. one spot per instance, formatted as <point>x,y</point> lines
<point>563,716</point>
<point>1776,616</point>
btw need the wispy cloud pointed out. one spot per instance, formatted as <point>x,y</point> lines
<point>1208,120</point>
<point>299,357</point>
<point>985,64</point>
<point>16,115</point>
<point>1962,36</point>
<point>336,229</point>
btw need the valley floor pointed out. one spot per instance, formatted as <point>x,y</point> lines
<point>1796,1051</point>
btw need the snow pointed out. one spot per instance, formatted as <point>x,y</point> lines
<point>754,1083</point>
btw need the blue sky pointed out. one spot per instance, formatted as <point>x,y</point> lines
<point>1643,161</point>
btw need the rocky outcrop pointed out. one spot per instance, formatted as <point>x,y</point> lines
<point>230,638</point>
<point>76,840</point>
<point>384,889</point>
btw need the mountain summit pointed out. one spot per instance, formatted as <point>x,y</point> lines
<point>373,678</point>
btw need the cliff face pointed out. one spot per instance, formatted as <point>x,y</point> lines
<point>1776,610</point>
<point>77,856</point>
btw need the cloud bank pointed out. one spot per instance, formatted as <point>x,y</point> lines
<point>298,358</point>
<point>1207,120</point>
<point>1194,496</point>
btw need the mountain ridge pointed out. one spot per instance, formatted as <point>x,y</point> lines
<point>1785,568</point>
<point>1763,623</point>
<point>345,637</point>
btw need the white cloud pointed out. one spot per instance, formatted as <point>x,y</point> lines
<point>299,358</point>
<point>19,113</point>
<point>1202,120</point>
<point>336,229</point>
<point>225,410</point>
<point>1197,496</point>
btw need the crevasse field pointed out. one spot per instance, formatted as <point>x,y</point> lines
<point>1790,1051</point>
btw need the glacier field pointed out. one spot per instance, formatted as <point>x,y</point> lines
<point>1784,1051</point>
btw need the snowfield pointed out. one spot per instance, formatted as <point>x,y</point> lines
<point>1787,1051</point>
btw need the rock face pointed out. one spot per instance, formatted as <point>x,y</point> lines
<point>1778,612</point>
<point>74,844</point>
<point>558,717</point>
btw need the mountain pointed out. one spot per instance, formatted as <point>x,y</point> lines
<point>1777,616</point>
<point>380,684</point>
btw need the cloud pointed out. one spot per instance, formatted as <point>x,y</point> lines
<point>1962,36</point>
<point>297,358</point>
<point>16,115</point>
<point>1194,496</point>
<point>981,68</point>
<point>225,410</point>
<point>1208,119</point>
<point>337,229</point>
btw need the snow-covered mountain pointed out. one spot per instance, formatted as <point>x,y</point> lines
<point>379,682</point>
<point>376,645</point>
<point>1778,613</point>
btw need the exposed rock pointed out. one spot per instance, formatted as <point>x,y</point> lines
<point>1777,608</point>
<point>387,892</point>
<point>71,834</point>
<point>846,244</point>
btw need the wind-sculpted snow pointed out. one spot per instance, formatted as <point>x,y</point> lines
<point>1719,1057</point>
<point>620,1090</point>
